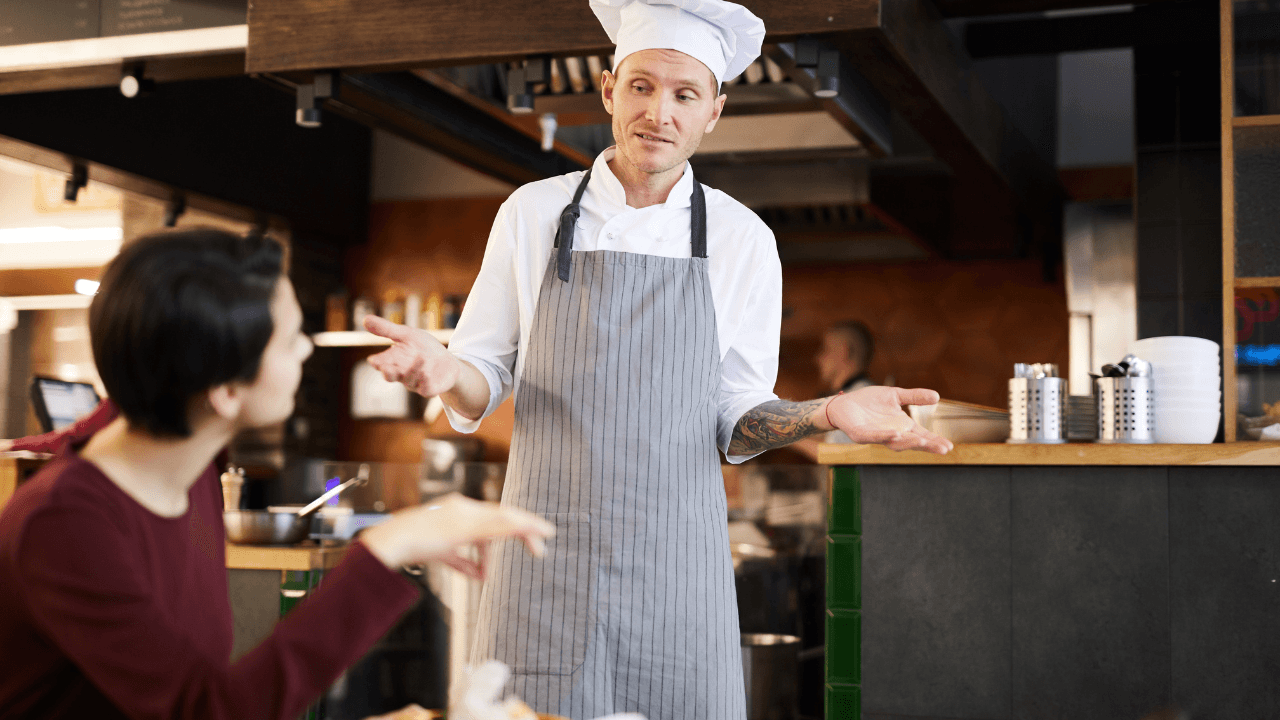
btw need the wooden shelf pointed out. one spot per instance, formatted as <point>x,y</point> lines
<point>1256,121</point>
<point>360,338</point>
<point>1228,454</point>
<point>1257,282</point>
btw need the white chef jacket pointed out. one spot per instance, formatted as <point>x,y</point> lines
<point>745,274</point>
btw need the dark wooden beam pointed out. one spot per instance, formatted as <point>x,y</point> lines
<point>287,35</point>
<point>973,8</point>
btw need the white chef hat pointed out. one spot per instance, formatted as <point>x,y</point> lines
<point>725,36</point>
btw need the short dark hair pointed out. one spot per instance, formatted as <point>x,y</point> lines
<point>179,312</point>
<point>858,336</point>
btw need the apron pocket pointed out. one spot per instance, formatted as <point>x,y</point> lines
<point>551,612</point>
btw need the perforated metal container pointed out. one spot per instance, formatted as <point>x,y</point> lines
<point>1037,410</point>
<point>1126,413</point>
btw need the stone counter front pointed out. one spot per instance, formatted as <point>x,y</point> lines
<point>1040,587</point>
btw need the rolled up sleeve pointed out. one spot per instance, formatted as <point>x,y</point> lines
<point>750,367</point>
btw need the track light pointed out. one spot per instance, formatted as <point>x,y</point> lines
<point>309,96</point>
<point>174,210</point>
<point>132,82</point>
<point>520,82</point>
<point>547,121</point>
<point>828,74</point>
<point>79,178</point>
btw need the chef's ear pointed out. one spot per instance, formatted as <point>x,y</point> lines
<point>607,82</point>
<point>226,399</point>
<point>718,107</point>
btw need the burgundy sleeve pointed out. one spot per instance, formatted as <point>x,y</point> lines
<point>74,434</point>
<point>85,586</point>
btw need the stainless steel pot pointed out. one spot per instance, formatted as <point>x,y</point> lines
<point>769,667</point>
<point>282,526</point>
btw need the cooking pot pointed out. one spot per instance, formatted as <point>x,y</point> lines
<point>281,525</point>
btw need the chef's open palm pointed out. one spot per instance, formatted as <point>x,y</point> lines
<point>415,359</point>
<point>874,415</point>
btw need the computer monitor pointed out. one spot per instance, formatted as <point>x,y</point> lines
<point>59,403</point>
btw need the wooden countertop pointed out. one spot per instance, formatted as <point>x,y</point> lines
<point>274,557</point>
<point>1239,453</point>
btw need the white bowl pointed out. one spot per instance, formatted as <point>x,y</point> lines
<point>1173,346</point>
<point>1186,427</point>
<point>1186,381</point>
<point>1164,394</point>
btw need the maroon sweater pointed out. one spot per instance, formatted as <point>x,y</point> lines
<point>108,610</point>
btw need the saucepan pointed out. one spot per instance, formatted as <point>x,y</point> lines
<point>279,526</point>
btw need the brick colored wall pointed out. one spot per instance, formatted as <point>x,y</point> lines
<point>954,327</point>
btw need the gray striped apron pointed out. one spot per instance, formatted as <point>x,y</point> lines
<point>633,608</point>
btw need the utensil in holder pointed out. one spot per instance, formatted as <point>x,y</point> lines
<point>1037,410</point>
<point>1126,412</point>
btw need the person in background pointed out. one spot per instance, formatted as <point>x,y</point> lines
<point>113,582</point>
<point>846,352</point>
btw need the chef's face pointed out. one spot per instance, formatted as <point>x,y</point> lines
<point>269,398</point>
<point>662,103</point>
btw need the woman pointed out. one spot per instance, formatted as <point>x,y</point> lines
<point>113,589</point>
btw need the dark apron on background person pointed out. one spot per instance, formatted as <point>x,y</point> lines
<point>633,608</point>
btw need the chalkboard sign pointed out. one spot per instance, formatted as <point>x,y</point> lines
<point>131,17</point>
<point>24,21</point>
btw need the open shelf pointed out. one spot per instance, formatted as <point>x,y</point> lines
<point>360,338</point>
<point>1257,282</point>
<point>1256,121</point>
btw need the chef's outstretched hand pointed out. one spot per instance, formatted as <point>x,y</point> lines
<point>416,358</point>
<point>874,414</point>
<point>442,529</point>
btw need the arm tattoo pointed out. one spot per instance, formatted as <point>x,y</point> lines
<point>774,424</point>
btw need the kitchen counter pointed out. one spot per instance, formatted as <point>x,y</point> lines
<point>270,557</point>
<point>15,469</point>
<point>1074,580</point>
<point>1222,454</point>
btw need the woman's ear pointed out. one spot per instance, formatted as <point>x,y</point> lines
<point>226,400</point>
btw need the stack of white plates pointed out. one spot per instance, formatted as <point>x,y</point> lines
<point>1186,380</point>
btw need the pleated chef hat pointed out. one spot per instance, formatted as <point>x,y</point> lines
<point>725,36</point>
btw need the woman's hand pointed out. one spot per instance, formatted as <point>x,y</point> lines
<point>440,530</point>
<point>874,415</point>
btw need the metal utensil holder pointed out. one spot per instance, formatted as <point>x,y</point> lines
<point>1125,409</point>
<point>1037,410</point>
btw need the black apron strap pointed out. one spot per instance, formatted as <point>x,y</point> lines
<point>698,221</point>
<point>569,223</point>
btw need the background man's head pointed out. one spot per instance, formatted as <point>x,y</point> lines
<point>846,352</point>
<point>180,313</point>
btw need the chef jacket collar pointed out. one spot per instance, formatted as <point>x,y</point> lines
<point>611,192</point>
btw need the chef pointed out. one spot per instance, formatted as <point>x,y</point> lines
<point>634,314</point>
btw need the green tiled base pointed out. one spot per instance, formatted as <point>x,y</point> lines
<point>844,572</point>
<point>844,515</point>
<point>844,647</point>
<point>844,702</point>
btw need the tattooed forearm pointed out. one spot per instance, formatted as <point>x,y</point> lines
<point>774,424</point>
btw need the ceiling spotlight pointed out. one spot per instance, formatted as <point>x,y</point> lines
<point>174,210</point>
<point>79,178</point>
<point>133,84</point>
<point>309,95</point>
<point>519,96</point>
<point>547,121</point>
<point>86,287</point>
<point>828,74</point>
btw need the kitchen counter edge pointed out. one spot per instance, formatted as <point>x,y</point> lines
<point>1227,454</point>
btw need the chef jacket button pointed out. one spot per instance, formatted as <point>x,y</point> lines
<point>610,236</point>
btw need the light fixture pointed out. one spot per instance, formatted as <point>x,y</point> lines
<point>87,287</point>
<point>828,74</point>
<point>309,95</point>
<point>174,210</point>
<point>132,82</point>
<point>547,121</point>
<point>520,82</point>
<point>79,178</point>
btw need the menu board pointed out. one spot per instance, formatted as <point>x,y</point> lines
<point>130,17</point>
<point>36,21</point>
<point>24,21</point>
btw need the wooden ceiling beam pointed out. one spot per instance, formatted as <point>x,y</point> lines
<point>287,35</point>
